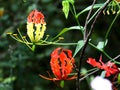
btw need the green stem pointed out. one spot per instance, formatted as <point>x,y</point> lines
<point>53,43</point>
<point>73,11</point>
<point>109,29</point>
<point>102,51</point>
<point>94,15</point>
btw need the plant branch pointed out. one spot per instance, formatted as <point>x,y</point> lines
<point>86,22</point>
<point>88,75</point>
<point>83,49</point>
<point>86,39</point>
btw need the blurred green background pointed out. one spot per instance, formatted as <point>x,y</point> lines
<point>20,67</point>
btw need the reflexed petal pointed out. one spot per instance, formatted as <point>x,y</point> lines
<point>93,62</point>
<point>109,67</point>
<point>54,79</point>
<point>61,63</point>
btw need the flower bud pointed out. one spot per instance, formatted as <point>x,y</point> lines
<point>36,26</point>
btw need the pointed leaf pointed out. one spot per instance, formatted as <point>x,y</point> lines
<point>68,29</point>
<point>65,5</point>
<point>80,44</point>
<point>101,45</point>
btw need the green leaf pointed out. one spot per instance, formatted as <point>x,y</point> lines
<point>119,78</point>
<point>65,8</point>
<point>71,1</point>
<point>68,29</point>
<point>101,45</point>
<point>62,84</point>
<point>80,44</point>
<point>88,8</point>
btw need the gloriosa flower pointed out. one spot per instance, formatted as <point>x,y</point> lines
<point>36,26</point>
<point>109,67</point>
<point>61,64</point>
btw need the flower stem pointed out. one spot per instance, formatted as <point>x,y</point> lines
<point>109,29</point>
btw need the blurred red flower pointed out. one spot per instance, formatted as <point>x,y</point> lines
<point>109,67</point>
<point>61,64</point>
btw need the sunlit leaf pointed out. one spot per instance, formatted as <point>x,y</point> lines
<point>68,29</point>
<point>80,44</point>
<point>65,5</point>
<point>101,45</point>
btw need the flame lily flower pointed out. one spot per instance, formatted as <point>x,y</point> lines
<point>61,64</point>
<point>109,67</point>
<point>36,26</point>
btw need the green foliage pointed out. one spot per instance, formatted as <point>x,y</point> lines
<point>101,45</point>
<point>20,67</point>
<point>68,29</point>
<point>66,7</point>
<point>80,44</point>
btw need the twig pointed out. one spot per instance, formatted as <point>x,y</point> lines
<point>87,19</point>
<point>86,40</point>
<point>83,49</point>
<point>88,75</point>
